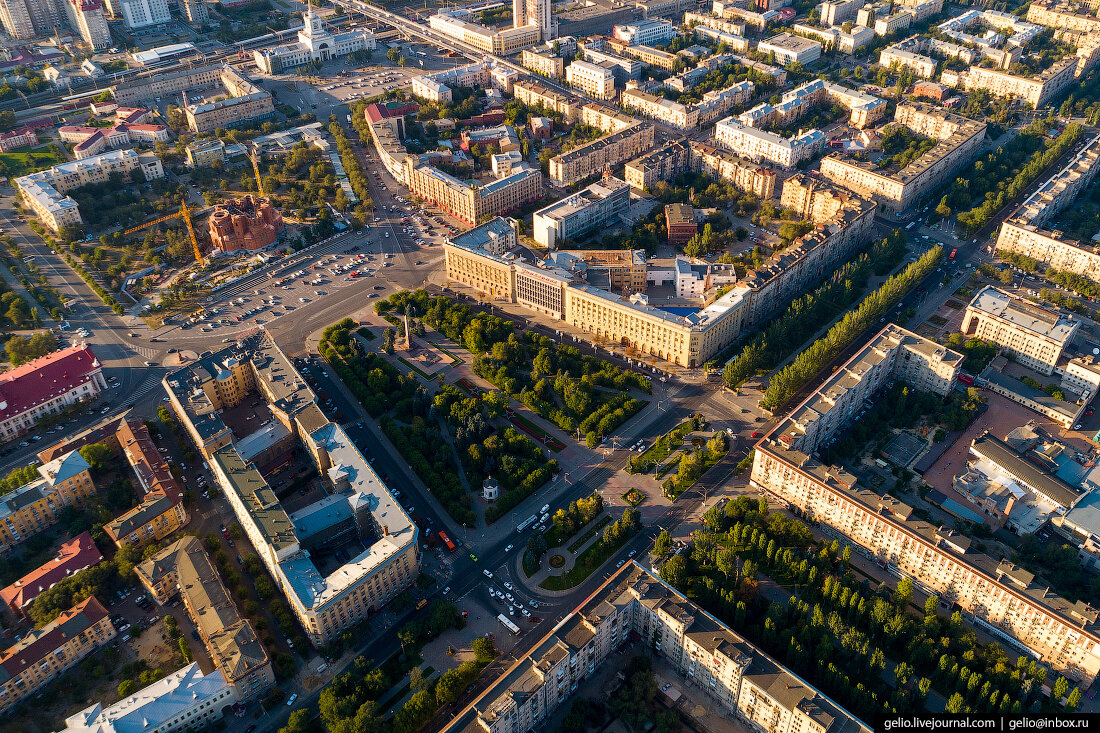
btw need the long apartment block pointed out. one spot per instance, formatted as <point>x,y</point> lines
<point>1036,91</point>
<point>865,108</point>
<point>1029,231</point>
<point>960,141</point>
<point>761,145</point>
<point>1035,335</point>
<point>358,519</point>
<point>1006,601</point>
<point>688,117</point>
<point>747,686</point>
<point>592,158</point>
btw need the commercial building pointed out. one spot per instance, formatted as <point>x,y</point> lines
<point>760,145</point>
<point>437,87</point>
<point>489,270</point>
<point>75,555</point>
<point>592,158</point>
<point>44,654</point>
<point>645,32</point>
<point>595,80</point>
<point>960,140</point>
<point>663,164</point>
<point>1028,232</point>
<point>45,191</point>
<point>534,94</point>
<point>206,154</point>
<point>503,42</point>
<point>143,13</point>
<point>357,520</point>
<point>315,43</point>
<point>1034,334</point>
<point>1004,600</point>
<point>746,175</point>
<point>580,213</point>
<point>250,223</point>
<point>542,61</point>
<point>680,223</point>
<point>184,569</point>
<point>788,49</point>
<point>47,385</point>
<point>186,699</point>
<point>471,201</point>
<point>865,108</point>
<point>746,684</point>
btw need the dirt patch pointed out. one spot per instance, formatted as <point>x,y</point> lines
<point>557,561</point>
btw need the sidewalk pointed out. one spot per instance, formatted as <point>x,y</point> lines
<point>546,571</point>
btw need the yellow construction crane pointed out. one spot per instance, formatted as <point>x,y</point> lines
<point>185,214</point>
<point>256,170</point>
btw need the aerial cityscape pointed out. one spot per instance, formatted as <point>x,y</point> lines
<point>580,365</point>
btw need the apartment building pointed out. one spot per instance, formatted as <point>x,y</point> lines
<point>357,516</point>
<point>470,202</point>
<point>1036,91</point>
<point>1027,230</point>
<point>746,685</point>
<point>45,191</point>
<point>74,556</point>
<point>16,19</point>
<point>1034,334</point>
<point>503,42</point>
<point>315,43</point>
<point>437,87</point>
<point>35,506</point>
<point>671,113</point>
<point>718,163</point>
<point>144,13</point>
<point>184,700</point>
<point>592,158</point>
<point>1063,15</point>
<point>194,11</point>
<point>645,32</point>
<point>846,42</point>
<point>534,94</point>
<point>88,21</point>
<point>606,118</point>
<point>161,510</point>
<point>645,54</point>
<point>1002,599</point>
<point>865,108</point>
<point>44,654</point>
<point>536,13</point>
<point>543,62</point>
<point>184,569</point>
<point>789,48</point>
<point>710,20</point>
<point>576,215</point>
<point>162,83</point>
<point>960,140</point>
<point>663,164</point>
<point>760,145</point>
<point>46,385</point>
<point>595,80</point>
<point>206,154</point>
<point>905,55</point>
<point>245,103</point>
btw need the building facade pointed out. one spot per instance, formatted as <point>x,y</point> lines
<point>594,80</point>
<point>74,556</point>
<point>592,158</point>
<point>46,385</point>
<point>663,164</point>
<point>760,145</point>
<point>1035,335</point>
<point>746,175</point>
<point>315,43</point>
<point>576,215</point>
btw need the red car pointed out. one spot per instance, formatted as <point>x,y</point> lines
<point>755,434</point>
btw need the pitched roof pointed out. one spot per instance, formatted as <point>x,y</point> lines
<point>64,467</point>
<point>45,378</point>
<point>75,555</point>
<point>39,643</point>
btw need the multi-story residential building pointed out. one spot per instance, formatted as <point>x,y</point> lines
<point>1034,334</point>
<point>905,55</point>
<point>47,385</point>
<point>671,113</point>
<point>535,13</point>
<point>645,54</point>
<point>623,69</point>
<point>747,685</point>
<point>143,13</point>
<point>161,511</point>
<point>35,506</point>
<point>45,191</point>
<point>865,108</point>
<point>315,43</point>
<point>846,42</point>
<point>663,164</point>
<point>534,94</point>
<point>87,20</point>
<point>470,203</point>
<point>184,700</point>
<point>581,212</point>
<point>763,145</point>
<point>728,166</point>
<point>194,11</point>
<point>246,103</point>
<point>592,158</point>
<point>1026,232</point>
<point>183,568</point>
<point>1004,600</point>
<point>960,140</point>
<point>503,42</point>
<point>44,654</point>
<point>606,118</point>
<point>710,20</point>
<point>645,32</point>
<point>1063,15</point>
<point>16,19</point>
<point>542,61</point>
<point>437,87</point>
<point>358,514</point>
<point>595,80</point>
<point>79,553</point>
<point>206,154</point>
<point>788,49</point>
<point>1036,91</point>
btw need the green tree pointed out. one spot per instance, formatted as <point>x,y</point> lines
<point>662,544</point>
<point>98,455</point>
<point>955,704</point>
<point>674,571</point>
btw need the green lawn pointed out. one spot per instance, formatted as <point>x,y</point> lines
<point>597,527</point>
<point>28,160</point>
<point>587,563</point>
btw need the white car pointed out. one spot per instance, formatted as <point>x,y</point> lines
<point>509,548</point>
<point>508,586</point>
<point>292,699</point>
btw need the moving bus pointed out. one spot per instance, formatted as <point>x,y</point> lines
<point>447,540</point>
<point>951,257</point>
<point>507,623</point>
<point>527,522</point>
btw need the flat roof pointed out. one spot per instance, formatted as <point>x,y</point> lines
<point>1025,315</point>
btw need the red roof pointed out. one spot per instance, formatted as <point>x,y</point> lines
<point>40,643</point>
<point>75,555</point>
<point>376,112</point>
<point>147,128</point>
<point>44,378</point>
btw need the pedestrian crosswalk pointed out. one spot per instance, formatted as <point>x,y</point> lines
<point>146,386</point>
